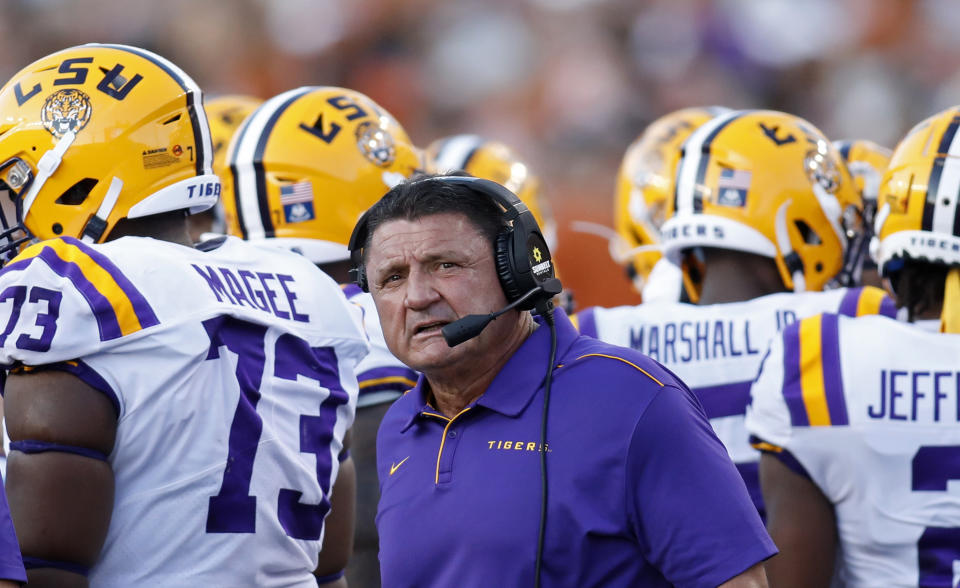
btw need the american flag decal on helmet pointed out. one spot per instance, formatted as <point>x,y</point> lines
<point>297,202</point>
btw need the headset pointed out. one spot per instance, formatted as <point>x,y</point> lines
<point>525,269</point>
<point>521,255</point>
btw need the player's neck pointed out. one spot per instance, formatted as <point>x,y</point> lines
<point>735,277</point>
<point>171,226</point>
<point>452,389</point>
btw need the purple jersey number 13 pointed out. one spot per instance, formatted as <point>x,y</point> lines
<point>233,509</point>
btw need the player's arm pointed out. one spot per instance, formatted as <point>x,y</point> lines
<point>338,526</point>
<point>801,522</point>
<point>60,486</point>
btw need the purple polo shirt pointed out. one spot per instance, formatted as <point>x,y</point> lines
<point>11,564</point>
<point>641,491</point>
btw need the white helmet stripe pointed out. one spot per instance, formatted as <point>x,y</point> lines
<point>693,163</point>
<point>948,190</point>
<point>247,147</point>
<point>455,153</point>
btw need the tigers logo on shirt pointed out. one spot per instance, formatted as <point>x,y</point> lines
<point>297,201</point>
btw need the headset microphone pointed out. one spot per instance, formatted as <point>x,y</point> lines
<point>462,330</point>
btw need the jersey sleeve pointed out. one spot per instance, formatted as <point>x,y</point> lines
<point>381,376</point>
<point>799,390</point>
<point>768,418</point>
<point>690,508</point>
<point>60,300</point>
<point>865,301</point>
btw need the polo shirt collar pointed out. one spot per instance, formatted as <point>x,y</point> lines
<point>518,380</point>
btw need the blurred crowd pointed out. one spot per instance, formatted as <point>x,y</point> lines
<point>567,83</point>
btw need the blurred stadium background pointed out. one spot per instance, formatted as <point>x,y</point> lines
<point>567,83</point>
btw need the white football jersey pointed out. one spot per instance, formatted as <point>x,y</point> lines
<point>717,349</point>
<point>382,377</point>
<point>870,408</point>
<point>232,374</point>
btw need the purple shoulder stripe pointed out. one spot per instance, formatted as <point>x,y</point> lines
<point>103,311</point>
<point>792,389</point>
<point>141,307</point>
<point>888,307</point>
<point>849,302</point>
<point>832,378</point>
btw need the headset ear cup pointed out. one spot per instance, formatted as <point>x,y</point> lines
<point>362,278</point>
<point>508,279</point>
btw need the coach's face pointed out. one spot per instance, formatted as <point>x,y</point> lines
<point>429,272</point>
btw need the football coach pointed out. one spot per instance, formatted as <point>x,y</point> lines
<point>527,454</point>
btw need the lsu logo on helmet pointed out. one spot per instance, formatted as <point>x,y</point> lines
<point>376,143</point>
<point>66,111</point>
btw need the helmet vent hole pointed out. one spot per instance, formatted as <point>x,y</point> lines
<point>819,267</point>
<point>77,193</point>
<point>810,237</point>
<point>57,228</point>
<point>172,119</point>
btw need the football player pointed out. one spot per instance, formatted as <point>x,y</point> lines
<point>757,225</point>
<point>866,161</point>
<point>858,418</point>
<point>645,188</point>
<point>303,168</point>
<point>176,415</point>
<point>225,114</point>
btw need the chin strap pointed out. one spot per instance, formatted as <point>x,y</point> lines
<point>790,258</point>
<point>48,164</point>
<point>97,224</point>
<point>950,315</point>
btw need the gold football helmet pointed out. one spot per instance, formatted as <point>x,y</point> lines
<point>493,160</point>
<point>918,216</point>
<point>766,183</point>
<point>307,163</point>
<point>226,114</point>
<point>97,133</point>
<point>645,186</point>
<point>919,213</point>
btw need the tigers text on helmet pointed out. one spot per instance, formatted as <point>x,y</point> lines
<point>919,215</point>
<point>307,163</point>
<point>97,133</point>
<point>645,186</point>
<point>493,160</point>
<point>766,183</point>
